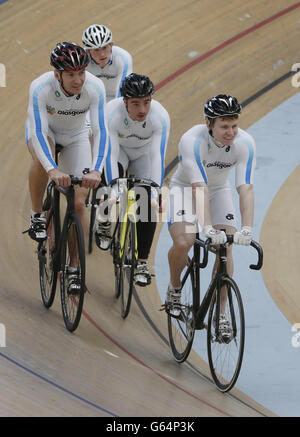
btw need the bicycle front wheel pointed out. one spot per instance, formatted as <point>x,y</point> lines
<point>72,255</point>
<point>47,269</point>
<point>93,206</point>
<point>127,266</point>
<point>182,329</point>
<point>115,252</point>
<point>225,354</point>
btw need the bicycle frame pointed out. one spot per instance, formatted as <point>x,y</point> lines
<point>129,215</point>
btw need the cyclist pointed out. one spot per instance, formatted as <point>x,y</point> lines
<point>58,102</point>
<point>108,62</point>
<point>139,129</point>
<point>200,193</point>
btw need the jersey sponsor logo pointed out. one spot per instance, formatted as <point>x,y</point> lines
<point>138,137</point>
<point>181,212</point>
<point>72,112</point>
<point>218,164</point>
<point>50,109</point>
<point>106,76</point>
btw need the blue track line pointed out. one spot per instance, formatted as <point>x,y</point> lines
<point>56,385</point>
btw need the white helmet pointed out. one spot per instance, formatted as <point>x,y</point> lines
<point>96,36</point>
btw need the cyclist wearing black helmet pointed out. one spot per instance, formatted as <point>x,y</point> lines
<point>58,103</point>
<point>139,130</point>
<point>200,193</point>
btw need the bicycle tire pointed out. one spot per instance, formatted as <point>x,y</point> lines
<point>225,357</point>
<point>127,266</point>
<point>46,253</point>
<point>92,220</point>
<point>72,304</point>
<point>181,329</point>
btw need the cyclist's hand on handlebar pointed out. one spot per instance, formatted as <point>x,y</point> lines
<point>216,236</point>
<point>60,178</point>
<point>244,236</point>
<point>91,179</point>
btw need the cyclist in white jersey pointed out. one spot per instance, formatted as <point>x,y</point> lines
<point>108,62</point>
<point>58,102</point>
<point>139,129</point>
<point>200,193</point>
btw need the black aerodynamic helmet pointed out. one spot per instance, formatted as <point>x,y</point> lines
<point>68,56</point>
<point>136,85</point>
<point>221,105</point>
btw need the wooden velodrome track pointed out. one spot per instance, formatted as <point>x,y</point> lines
<point>110,366</point>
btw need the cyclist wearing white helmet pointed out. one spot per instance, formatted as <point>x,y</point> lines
<point>108,62</point>
<point>58,103</point>
<point>200,193</point>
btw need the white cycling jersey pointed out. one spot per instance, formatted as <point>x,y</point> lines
<point>201,160</point>
<point>112,75</point>
<point>138,139</point>
<point>50,110</point>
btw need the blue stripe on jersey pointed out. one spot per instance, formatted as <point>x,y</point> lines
<point>38,124</point>
<point>103,133</point>
<point>197,156</point>
<point>108,163</point>
<point>125,71</point>
<point>163,144</point>
<point>26,131</point>
<point>250,161</point>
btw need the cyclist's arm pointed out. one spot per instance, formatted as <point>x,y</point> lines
<point>246,196</point>
<point>38,119</point>
<point>158,147</point>
<point>246,161</point>
<point>111,164</point>
<point>124,60</point>
<point>98,126</point>
<point>190,157</point>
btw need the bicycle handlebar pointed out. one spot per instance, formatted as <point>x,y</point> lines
<point>132,180</point>
<point>206,246</point>
<point>74,181</point>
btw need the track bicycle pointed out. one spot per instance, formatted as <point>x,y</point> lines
<point>64,246</point>
<point>124,244</point>
<point>225,355</point>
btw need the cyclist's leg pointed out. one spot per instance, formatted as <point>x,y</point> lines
<point>223,217</point>
<point>146,215</point>
<point>182,228</point>
<point>38,177</point>
<point>74,157</point>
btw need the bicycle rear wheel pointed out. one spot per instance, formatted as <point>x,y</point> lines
<point>72,254</point>
<point>225,356</point>
<point>182,329</point>
<point>127,266</point>
<point>46,253</point>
